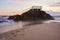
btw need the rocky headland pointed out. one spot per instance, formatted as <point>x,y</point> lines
<point>32,15</point>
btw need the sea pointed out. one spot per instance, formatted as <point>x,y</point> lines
<point>4,19</point>
<point>33,30</point>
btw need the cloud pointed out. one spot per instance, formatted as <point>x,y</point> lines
<point>55,4</point>
<point>17,0</point>
<point>58,3</point>
<point>20,0</point>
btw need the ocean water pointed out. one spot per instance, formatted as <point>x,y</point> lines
<point>33,30</point>
<point>56,15</point>
<point>4,19</point>
<point>8,25</point>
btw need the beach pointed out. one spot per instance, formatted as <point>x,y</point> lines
<point>45,31</point>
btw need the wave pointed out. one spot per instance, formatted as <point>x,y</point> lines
<point>4,19</point>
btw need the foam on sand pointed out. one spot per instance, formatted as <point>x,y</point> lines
<point>50,21</point>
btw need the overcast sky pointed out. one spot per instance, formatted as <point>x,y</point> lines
<point>18,6</point>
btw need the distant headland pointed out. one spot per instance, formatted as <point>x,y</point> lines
<point>35,13</point>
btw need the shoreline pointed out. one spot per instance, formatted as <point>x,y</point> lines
<point>19,25</point>
<point>48,31</point>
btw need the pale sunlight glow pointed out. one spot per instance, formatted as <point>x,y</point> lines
<point>46,8</point>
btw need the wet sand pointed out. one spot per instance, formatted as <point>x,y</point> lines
<point>48,31</point>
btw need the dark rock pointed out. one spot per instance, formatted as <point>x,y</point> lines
<point>32,14</point>
<point>36,14</point>
<point>11,17</point>
<point>15,17</point>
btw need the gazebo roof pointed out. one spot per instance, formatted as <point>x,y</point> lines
<point>36,7</point>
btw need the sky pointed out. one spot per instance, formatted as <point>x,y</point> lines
<point>11,7</point>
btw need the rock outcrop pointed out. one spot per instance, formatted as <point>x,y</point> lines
<point>15,17</point>
<point>36,14</point>
<point>32,14</point>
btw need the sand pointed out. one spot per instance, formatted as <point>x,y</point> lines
<point>47,31</point>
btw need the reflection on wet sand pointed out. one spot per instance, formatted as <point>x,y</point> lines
<point>34,31</point>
